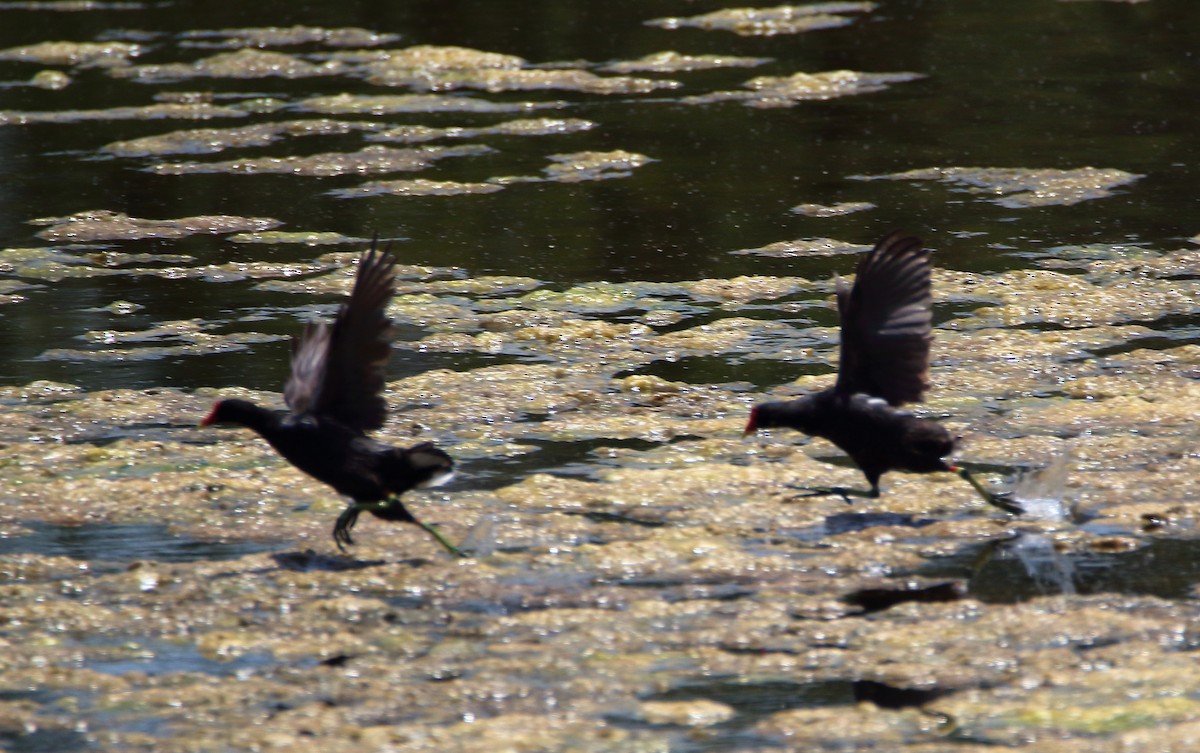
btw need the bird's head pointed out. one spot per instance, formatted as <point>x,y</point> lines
<point>232,411</point>
<point>752,424</point>
<point>794,414</point>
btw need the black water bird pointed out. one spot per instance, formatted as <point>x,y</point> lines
<point>886,323</point>
<point>335,397</point>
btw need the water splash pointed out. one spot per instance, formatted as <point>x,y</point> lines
<point>1052,571</point>
<point>1041,491</point>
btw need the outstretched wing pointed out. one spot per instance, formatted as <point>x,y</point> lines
<point>337,369</point>
<point>886,322</point>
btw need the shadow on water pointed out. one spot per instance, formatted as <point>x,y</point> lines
<point>125,542</point>
<point>1028,566</point>
<point>574,459</point>
<point>850,522</point>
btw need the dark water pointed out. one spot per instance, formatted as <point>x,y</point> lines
<point>1024,83</point>
<point>1029,567</point>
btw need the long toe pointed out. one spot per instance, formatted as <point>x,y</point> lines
<point>1004,500</point>
<point>437,535</point>
<point>341,529</point>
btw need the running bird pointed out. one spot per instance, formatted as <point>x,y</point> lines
<point>335,397</point>
<point>886,323</point>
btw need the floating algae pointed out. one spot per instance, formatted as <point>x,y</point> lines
<point>766,22</point>
<point>832,210</point>
<point>432,68</point>
<point>803,248</point>
<point>385,104</point>
<point>523,127</point>
<point>1018,188</point>
<point>212,140</point>
<point>103,224</point>
<point>244,63</point>
<point>671,62</point>
<point>159,111</point>
<point>578,167</point>
<point>371,159</point>
<point>787,91</point>
<point>73,53</point>
<point>276,36</point>
<point>417,187</point>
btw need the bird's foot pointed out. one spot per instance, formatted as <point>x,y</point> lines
<point>1002,500</point>
<point>437,535</point>
<point>393,509</point>
<point>827,491</point>
<point>343,526</point>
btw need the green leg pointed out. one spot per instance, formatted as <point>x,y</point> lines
<point>995,500</point>
<point>436,534</point>
<point>345,522</point>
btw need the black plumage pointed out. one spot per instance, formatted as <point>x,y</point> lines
<point>886,330</point>
<point>334,396</point>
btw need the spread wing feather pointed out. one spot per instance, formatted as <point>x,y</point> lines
<point>886,322</point>
<point>338,368</point>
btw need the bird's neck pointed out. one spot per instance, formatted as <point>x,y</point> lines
<point>257,418</point>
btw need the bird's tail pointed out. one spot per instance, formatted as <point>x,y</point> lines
<point>420,466</point>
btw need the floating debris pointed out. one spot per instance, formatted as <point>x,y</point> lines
<point>371,159</point>
<point>524,127</point>
<point>786,91</point>
<point>74,53</point>
<point>431,68</point>
<point>1020,188</point>
<point>244,63</point>
<point>120,308</point>
<point>577,167</point>
<point>161,111</point>
<point>275,36</point>
<point>50,80</point>
<point>193,344</point>
<point>803,247</point>
<point>418,187</point>
<point>9,288</point>
<point>314,238</point>
<point>387,104</point>
<point>832,210</point>
<point>103,224</point>
<point>696,713</point>
<point>766,22</point>
<point>674,62</point>
<point>1024,297</point>
<point>212,140</point>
